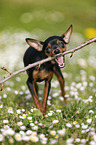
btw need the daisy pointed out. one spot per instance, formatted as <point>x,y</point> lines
<point>41,136</point>
<point>53,132</point>
<point>89,121</point>
<point>34,138</point>
<point>19,123</point>
<point>18,137</point>
<point>1,137</point>
<point>58,111</point>
<point>5,121</point>
<point>29,118</point>
<point>55,121</point>
<point>61,132</point>
<point>10,132</point>
<point>69,125</point>
<point>35,127</point>
<point>29,132</point>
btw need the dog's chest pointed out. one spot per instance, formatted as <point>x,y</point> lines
<point>40,75</point>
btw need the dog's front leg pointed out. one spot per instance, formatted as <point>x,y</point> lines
<point>31,86</point>
<point>46,93</point>
<point>59,75</point>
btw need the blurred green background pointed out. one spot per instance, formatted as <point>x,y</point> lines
<point>50,15</point>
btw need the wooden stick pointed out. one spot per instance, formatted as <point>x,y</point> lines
<point>49,59</point>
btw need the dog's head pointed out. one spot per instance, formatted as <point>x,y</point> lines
<point>53,45</point>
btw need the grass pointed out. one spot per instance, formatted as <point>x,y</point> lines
<point>74,123</point>
<point>20,122</point>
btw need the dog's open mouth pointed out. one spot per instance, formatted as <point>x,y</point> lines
<point>60,61</point>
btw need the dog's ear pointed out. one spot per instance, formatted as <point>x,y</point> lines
<point>66,36</point>
<point>38,45</point>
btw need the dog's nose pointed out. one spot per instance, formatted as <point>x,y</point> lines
<point>56,51</point>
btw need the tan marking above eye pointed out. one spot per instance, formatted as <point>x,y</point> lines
<point>58,41</point>
<point>49,45</point>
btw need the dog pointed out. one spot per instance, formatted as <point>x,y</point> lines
<point>39,50</point>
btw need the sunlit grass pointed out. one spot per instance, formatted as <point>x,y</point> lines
<point>21,122</point>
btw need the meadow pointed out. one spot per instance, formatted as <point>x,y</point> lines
<point>20,122</point>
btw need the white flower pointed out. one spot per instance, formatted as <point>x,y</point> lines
<point>53,132</point>
<point>1,137</point>
<point>77,140</point>
<point>77,126</point>
<point>18,137</point>
<point>35,127</point>
<point>34,133</point>
<point>23,116</point>
<point>4,132</point>
<point>19,123</point>
<point>34,138</point>
<point>91,84</point>
<point>83,141</point>
<point>22,133</point>
<point>36,122</point>
<point>61,132</point>
<point>53,141</point>
<point>32,110</point>
<point>29,132</point>
<point>43,141</point>
<point>6,127</point>
<point>92,78</point>
<point>31,124</point>
<point>16,92</point>
<point>29,118</point>
<point>69,141</point>
<point>91,111</point>
<point>92,143</point>
<point>1,106</point>
<point>50,114</point>
<point>78,85</point>
<point>10,132</point>
<point>61,98</point>
<point>10,110</point>
<point>58,111</point>
<point>89,121</point>
<point>83,131</point>
<point>55,95</point>
<point>85,83</point>
<point>56,136</point>
<point>55,121</point>
<point>41,136</point>
<point>22,127</point>
<point>4,96</point>
<point>48,102</point>
<point>75,122</point>
<point>69,125</point>
<point>23,110</point>
<point>94,137</point>
<point>26,138</point>
<point>84,126</point>
<point>18,79</point>
<point>18,111</point>
<point>5,121</point>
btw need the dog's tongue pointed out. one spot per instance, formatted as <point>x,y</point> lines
<point>60,61</point>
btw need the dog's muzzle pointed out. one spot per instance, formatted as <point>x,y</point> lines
<point>61,61</point>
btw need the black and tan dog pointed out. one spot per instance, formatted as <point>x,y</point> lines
<point>39,50</point>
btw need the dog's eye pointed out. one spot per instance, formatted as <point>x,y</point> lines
<point>48,49</point>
